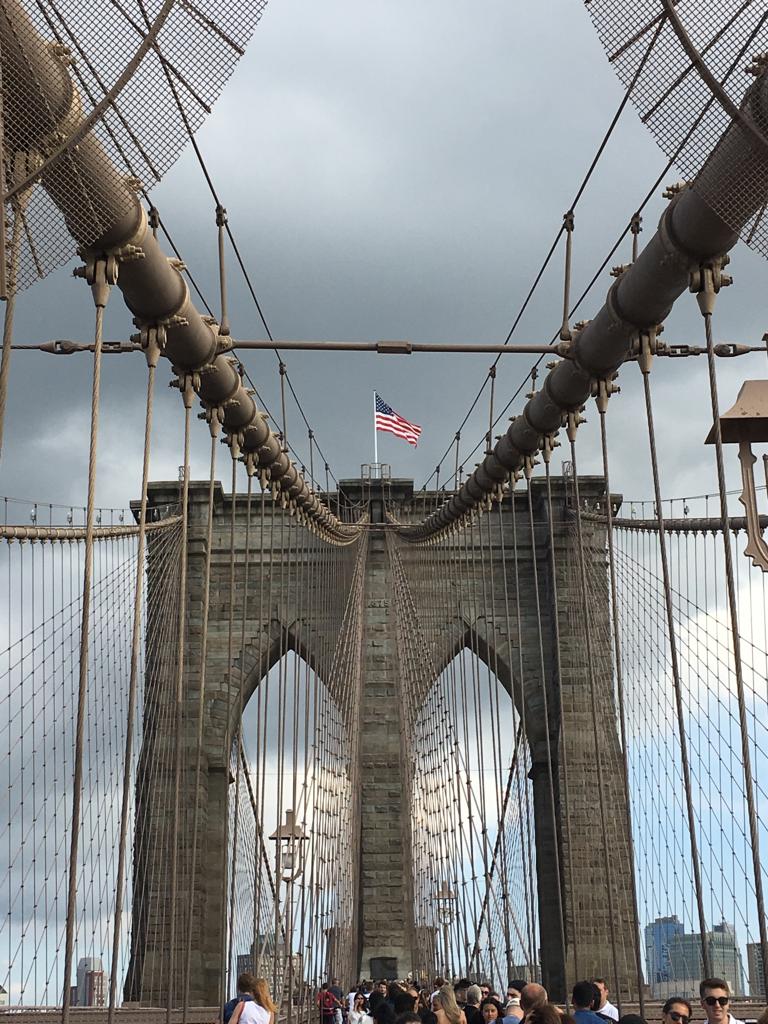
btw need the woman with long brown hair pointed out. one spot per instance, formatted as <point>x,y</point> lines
<point>259,1009</point>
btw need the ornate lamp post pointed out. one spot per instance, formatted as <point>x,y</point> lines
<point>289,864</point>
<point>445,898</point>
<point>747,422</point>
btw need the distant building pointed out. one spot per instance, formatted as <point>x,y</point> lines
<point>90,982</point>
<point>675,964</point>
<point>755,969</point>
<point>659,936</point>
<point>725,956</point>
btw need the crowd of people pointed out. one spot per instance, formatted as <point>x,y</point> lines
<point>403,1002</point>
<point>390,1002</point>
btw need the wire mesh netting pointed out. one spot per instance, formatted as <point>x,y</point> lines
<point>678,107</point>
<point>102,92</point>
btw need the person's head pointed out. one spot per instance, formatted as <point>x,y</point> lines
<point>631,1018</point>
<point>763,1018</point>
<point>245,983</point>
<point>384,1014</point>
<point>485,989</point>
<point>584,995</point>
<point>262,995</point>
<point>676,1011</point>
<point>438,982</point>
<point>532,995</point>
<point>545,1013</point>
<point>715,999</point>
<point>491,1010</point>
<point>324,987</point>
<point>460,991</point>
<point>446,1001</point>
<point>360,1001</point>
<point>409,1017</point>
<point>474,995</point>
<point>381,986</point>
<point>514,988</point>
<point>404,1002</point>
<point>602,989</point>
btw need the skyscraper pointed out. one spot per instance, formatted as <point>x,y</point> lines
<point>755,968</point>
<point>659,935</point>
<point>675,964</point>
<point>90,982</point>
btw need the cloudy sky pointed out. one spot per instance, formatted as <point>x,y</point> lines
<point>391,171</point>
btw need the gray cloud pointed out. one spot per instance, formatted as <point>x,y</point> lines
<point>389,172</point>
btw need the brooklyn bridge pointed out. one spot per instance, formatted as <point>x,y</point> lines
<point>269,717</point>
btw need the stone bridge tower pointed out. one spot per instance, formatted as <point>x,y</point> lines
<point>386,934</point>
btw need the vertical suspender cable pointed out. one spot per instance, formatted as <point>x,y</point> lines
<point>545,707</point>
<point>602,406</point>
<point>241,705</point>
<point>187,394</point>
<point>706,299</point>
<point>153,354</point>
<point>645,367</point>
<point>214,425</point>
<point>227,751</point>
<point>572,424</point>
<point>563,754</point>
<point>100,278</point>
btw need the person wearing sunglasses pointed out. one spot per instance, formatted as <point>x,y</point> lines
<point>715,1000</point>
<point>676,1011</point>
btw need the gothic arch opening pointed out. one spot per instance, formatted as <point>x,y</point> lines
<point>292,779</point>
<point>473,840</point>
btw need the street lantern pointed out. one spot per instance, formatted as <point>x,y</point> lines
<point>289,852</point>
<point>289,863</point>
<point>747,421</point>
<point>445,898</point>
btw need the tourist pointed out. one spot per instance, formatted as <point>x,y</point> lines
<point>492,1010</point>
<point>326,1000</point>
<point>513,1012</point>
<point>547,1013</point>
<point>460,991</point>
<point>378,995</point>
<point>335,989</point>
<point>716,1000</point>
<point>253,1003</point>
<point>604,1008</point>
<point>359,1012</point>
<point>437,984</point>
<point>532,995</point>
<point>262,1010</point>
<point>676,1010</point>
<point>383,1014</point>
<point>446,1008</point>
<point>583,998</point>
<point>245,986</point>
<point>472,1005</point>
<point>404,1001</point>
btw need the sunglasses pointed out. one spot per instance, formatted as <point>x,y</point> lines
<point>682,1017</point>
<point>714,1000</point>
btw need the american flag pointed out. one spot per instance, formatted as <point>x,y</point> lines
<point>388,420</point>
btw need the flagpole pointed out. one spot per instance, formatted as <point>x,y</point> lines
<point>375,434</point>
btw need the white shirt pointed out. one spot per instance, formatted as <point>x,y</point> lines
<point>254,1014</point>
<point>359,1017</point>
<point>609,1010</point>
